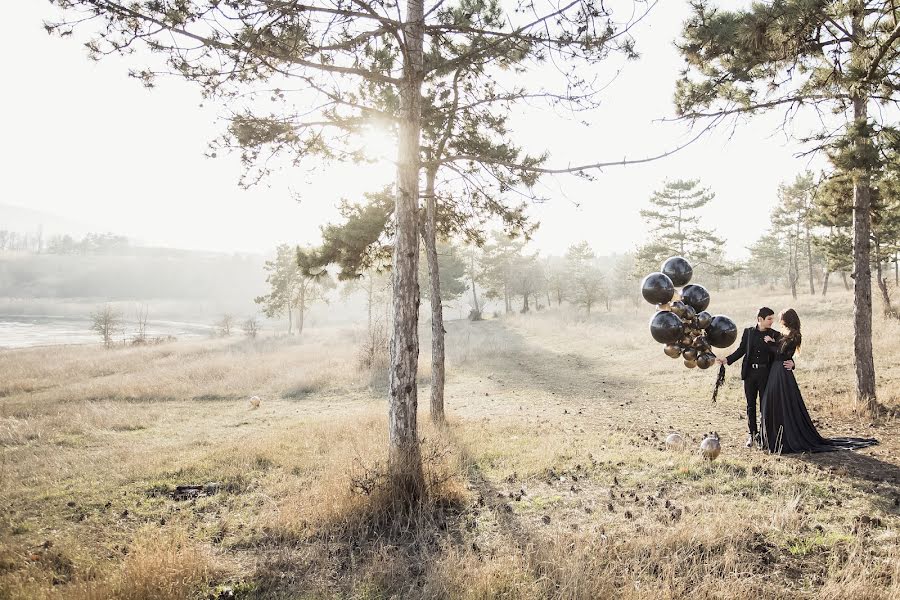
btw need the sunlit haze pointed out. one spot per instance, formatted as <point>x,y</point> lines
<point>88,144</point>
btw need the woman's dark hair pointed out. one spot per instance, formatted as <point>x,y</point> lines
<point>764,312</point>
<point>791,321</point>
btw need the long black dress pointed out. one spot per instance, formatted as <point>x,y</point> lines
<point>786,426</point>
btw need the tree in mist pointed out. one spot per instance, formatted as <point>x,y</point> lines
<point>376,287</point>
<point>142,314</point>
<point>341,65</point>
<point>499,261</point>
<point>625,278</point>
<point>225,325</point>
<point>452,273</point>
<point>556,279</point>
<point>838,59</point>
<point>793,217</point>
<point>769,259</point>
<point>585,279</point>
<point>106,322</point>
<point>474,273</point>
<point>296,281</point>
<point>675,219</point>
<point>250,327</point>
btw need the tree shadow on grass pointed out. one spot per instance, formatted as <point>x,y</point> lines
<point>387,550</point>
<point>867,473</point>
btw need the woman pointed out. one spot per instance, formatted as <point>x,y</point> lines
<point>786,426</point>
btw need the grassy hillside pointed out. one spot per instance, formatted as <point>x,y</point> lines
<point>552,480</point>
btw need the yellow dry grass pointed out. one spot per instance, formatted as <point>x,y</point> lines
<point>552,480</point>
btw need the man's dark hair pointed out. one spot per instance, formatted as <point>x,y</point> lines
<point>764,312</point>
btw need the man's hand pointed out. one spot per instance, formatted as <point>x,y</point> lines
<point>789,365</point>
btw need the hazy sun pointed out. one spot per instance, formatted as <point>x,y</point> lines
<point>378,143</point>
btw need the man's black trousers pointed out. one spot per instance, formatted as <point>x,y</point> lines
<point>754,387</point>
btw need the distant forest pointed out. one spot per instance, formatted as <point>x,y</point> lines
<point>108,267</point>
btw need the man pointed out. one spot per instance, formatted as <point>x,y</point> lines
<point>755,367</point>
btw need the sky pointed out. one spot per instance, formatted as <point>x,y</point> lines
<point>87,143</point>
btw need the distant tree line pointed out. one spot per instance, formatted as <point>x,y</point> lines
<point>37,243</point>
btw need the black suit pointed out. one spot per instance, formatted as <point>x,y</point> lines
<point>754,368</point>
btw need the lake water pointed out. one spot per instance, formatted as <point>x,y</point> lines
<point>29,331</point>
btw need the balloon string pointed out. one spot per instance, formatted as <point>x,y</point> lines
<point>720,380</point>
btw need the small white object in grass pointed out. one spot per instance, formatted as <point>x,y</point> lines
<point>710,447</point>
<point>674,441</point>
<point>254,402</point>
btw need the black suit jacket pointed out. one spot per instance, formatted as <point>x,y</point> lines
<point>742,351</point>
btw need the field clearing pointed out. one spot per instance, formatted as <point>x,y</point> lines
<point>552,480</point>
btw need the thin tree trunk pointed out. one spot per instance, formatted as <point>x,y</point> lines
<point>474,292</point>
<point>809,260</point>
<point>370,293</point>
<point>302,311</point>
<point>862,231</point>
<point>290,317</point>
<point>437,315</point>
<point>844,278</point>
<point>405,458</point>
<point>825,283</point>
<point>882,284</point>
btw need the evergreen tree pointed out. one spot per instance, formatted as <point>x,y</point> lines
<point>793,217</point>
<point>675,220</point>
<point>584,277</point>
<point>837,58</point>
<point>296,282</point>
<point>303,80</point>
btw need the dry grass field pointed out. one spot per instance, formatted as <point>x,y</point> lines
<point>552,480</point>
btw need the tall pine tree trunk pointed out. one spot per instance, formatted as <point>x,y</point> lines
<point>862,232</point>
<point>825,283</point>
<point>437,314</point>
<point>405,458</point>
<point>844,279</point>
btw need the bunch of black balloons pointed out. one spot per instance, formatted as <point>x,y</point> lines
<point>681,321</point>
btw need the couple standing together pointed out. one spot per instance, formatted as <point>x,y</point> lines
<point>768,373</point>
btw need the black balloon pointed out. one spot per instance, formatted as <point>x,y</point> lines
<point>672,350</point>
<point>700,341</point>
<point>695,296</point>
<point>666,327</point>
<point>721,332</point>
<point>689,313</point>
<point>706,360</point>
<point>703,319</point>
<point>690,354</point>
<point>678,270</point>
<point>657,288</point>
<point>678,308</point>
<point>690,364</point>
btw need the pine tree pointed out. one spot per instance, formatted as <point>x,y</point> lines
<point>585,279</point>
<point>793,217</point>
<point>675,220</point>
<point>835,58</point>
